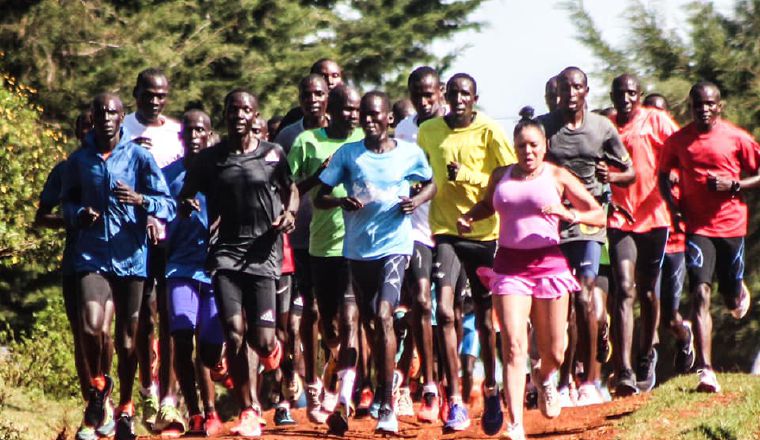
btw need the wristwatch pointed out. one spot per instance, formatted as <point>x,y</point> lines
<point>736,186</point>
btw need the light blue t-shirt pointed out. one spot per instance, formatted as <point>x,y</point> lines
<point>379,181</point>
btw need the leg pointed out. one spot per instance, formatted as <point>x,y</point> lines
<point>512,311</point>
<point>700,262</point>
<point>184,309</point>
<point>127,299</point>
<point>422,308</point>
<point>447,271</point>
<point>70,291</point>
<point>623,255</point>
<point>549,319</point>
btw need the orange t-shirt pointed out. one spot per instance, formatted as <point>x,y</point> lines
<point>726,151</point>
<point>643,137</point>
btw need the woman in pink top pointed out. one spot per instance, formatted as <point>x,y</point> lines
<point>531,278</point>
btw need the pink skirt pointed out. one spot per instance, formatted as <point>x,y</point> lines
<point>542,273</point>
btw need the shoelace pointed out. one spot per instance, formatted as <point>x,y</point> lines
<point>550,393</point>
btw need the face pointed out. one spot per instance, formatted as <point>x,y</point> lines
<point>426,97</point>
<point>625,96</point>
<point>196,130</point>
<point>107,115</point>
<point>240,112</point>
<point>551,95</point>
<point>345,114</point>
<point>572,90</point>
<point>706,107</point>
<point>259,129</point>
<point>530,147</point>
<point>313,98</point>
<point>375,117</point>
<point>83,125</point>
<point>332,73</point>
<point>461,98</point>
<point>150,97</point>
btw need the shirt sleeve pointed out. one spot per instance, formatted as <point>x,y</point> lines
<point>283,175</point>
<point>71,192</point>
<point>50,197</point>
<point>335,172</point>
<point>498,154</point>
<point>157,200</point>
<point>750,154</point>
<point>420,170</point>
<point>296,158</point>
<point>614,150</point>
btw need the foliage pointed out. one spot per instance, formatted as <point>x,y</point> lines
<point>73,49</point>
<point>714,47</point>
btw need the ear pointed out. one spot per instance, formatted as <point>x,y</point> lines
<point>476,99</point>
<point>721,106</point>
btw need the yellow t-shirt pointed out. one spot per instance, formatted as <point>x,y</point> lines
<point>479,148</point>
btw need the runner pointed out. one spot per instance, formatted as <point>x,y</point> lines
<point>656,100</point>
<point>160,136</point>
<point>273,126</point>
<point>111,248</point>
<point>585,143</point>
<point>638,233</point>
<point>376,173</point>
<point>551,95</point>
<point>332,298</point>
<point>464,147</point>
<point>333,76</point>
<point>248,190</point>
<point>425,93</point>
<point>192,308</point>
<point>711,155</point>
<point>402,109</point>
<point>531,279</point>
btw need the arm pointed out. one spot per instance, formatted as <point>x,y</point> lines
<point>325,200</point>
<point>306,184</point>
<point>286,221</point>
<point>484,208</point>
<point>74,214</point>
<point>425,193</point>
<point>615,153</point>
<point>154,195</point>
<point>585,210</point>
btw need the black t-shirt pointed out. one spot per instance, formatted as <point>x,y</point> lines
<point>243,198</point>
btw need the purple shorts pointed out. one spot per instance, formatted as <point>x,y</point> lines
<point>192,307</point>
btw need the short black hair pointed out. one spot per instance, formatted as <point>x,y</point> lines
<point>338,95</point>
<point>378,94</point>
<point>466,76</point>
<point>573,69</point>
<point>421,73</point>
<point>317,64</point>
<point>242,91</point>
<point>310,78</point>
<point>701,86</point>
<point>149,73</point>
<point>528,123</point>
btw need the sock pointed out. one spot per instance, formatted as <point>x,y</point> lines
<point>430,388</point>
<point>99,382</point>
<point>169,401</point>
<point>347,377</point>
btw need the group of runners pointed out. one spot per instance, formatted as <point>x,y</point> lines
<point>380,240</point>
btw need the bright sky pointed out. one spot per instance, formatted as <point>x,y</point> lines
<point>527,41</point>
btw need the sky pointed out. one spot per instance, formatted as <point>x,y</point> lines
<point>525,42</point>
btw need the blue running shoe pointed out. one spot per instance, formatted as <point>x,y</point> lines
<point>493,417</point>
<point>458,419</point>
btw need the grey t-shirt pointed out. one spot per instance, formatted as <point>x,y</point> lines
<point>579,151</point>
<point>299,238</point>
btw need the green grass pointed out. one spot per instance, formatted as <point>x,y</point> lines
<point>30,414</point>
<point>676,411</point>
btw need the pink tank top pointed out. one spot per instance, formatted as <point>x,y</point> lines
<point>519,204</point>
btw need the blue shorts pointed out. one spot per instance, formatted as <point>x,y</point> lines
<point>583,257</point>
<point>192,306</point>
<point>470,345</point>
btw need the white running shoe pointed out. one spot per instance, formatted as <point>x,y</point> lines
<point>548,400</point>
<point>329,402</point>
<point>708,382</point>
<point>404,405</point>
<point>514,431</point>
<point>588,394</point>
<point>565,401</point>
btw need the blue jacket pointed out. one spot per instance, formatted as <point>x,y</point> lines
<point>117,242</point>
<point>186,238</point>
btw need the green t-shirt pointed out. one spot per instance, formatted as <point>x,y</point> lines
<point>309,151</point>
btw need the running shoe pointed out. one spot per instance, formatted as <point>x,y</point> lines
<point>604,346</point>
<point>514,431</point>
<point>107,428</point>
<point>565,399</point>
<point>685,355</point>
<point>282,416</point>
<point>744,301</point>
<point>548,400</point>
<point>428,412</point>
<point>404,404</point>
<point>213,424</point>
<point>337,422</point>
<point>386,421</point>
<point>374,408</point>
<point>248,424</point>
<point>195,425</point>
<point>125,427</point>
<point>708,382</point>
<point>314,411</point>
<point>645,371</point>
<point>169,422</point>
<point>94,413</point>
<point>493,416</point>
<point>329,401</point>
<point>292,389</point>
<point>588,394</point>
<point>365,401</point>
<point>458,420</point>
<point>148,409</point>
<point>625,384</point>
<point>272,362</point>
<point>86,433</point>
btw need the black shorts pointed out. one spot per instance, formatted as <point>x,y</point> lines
<point>376,281</point>
<point>284,292</point>
<point>302,276</point>
<point>646,249</point>
<point>723,257</point>
<point>671,283</point>
<point>238,291</point>
<point>125,292</point>
<point>453,253</point>
<point>332,287</point>
<point>420,268</point>
<point>155,283</point>
<point>603,278</point>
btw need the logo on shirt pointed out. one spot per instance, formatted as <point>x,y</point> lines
<point>267,316</point>
<point>272,156</point>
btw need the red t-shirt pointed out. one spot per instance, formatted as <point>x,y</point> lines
<point>643,137</point>
<point>726,151</point>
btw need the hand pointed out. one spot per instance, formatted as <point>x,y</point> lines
<point>603,172</point>
<point>187,206</point>
<point>350,204</point>
<point>464,225</point>
<point>285,222</point>
<point>453,169</point>
<point>408,204</point>
<point>715,183</point>
<point>152,234</point>
<point>127,195</point>
<point>560,211</point>
<point>88,216</point>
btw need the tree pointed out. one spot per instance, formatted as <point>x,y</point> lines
<point>73,49</point>
<point>715,47</point>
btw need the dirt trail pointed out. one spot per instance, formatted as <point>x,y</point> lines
<point>595,422</point>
